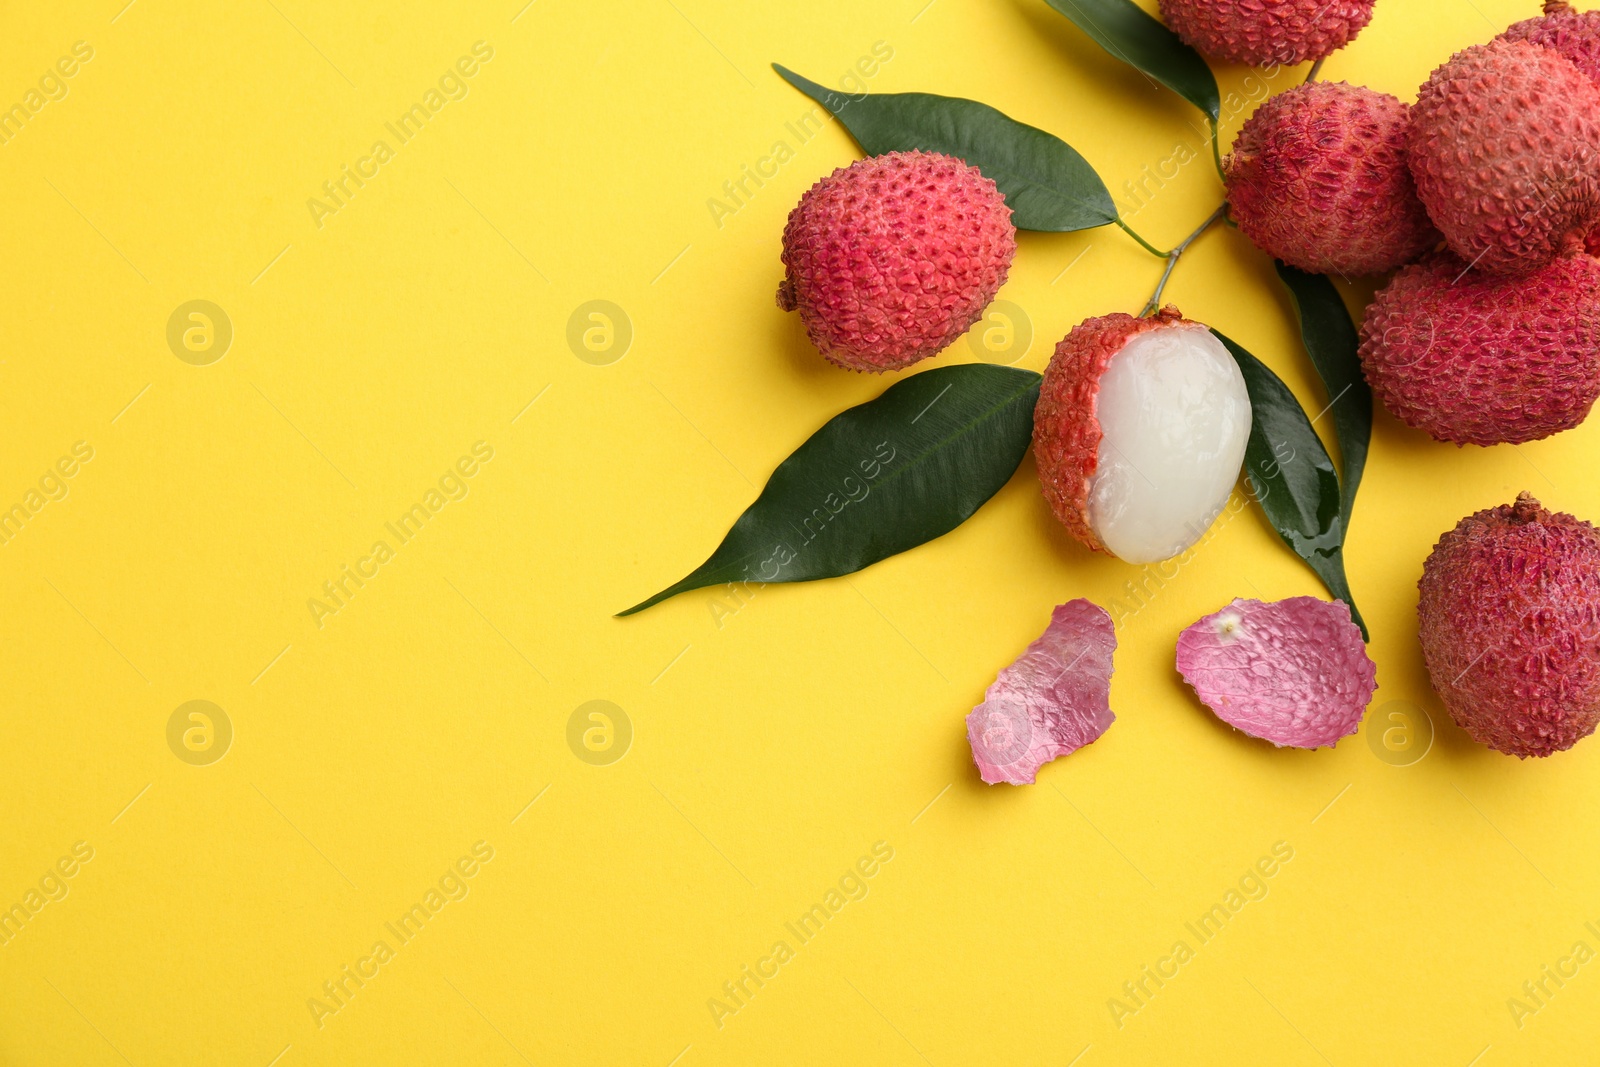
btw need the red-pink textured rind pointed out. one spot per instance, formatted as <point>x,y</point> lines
<point>892,258</point>
<point>1509,620</point>
<point>1294,672</point>
<point>1066,431</point>
<point>1261,32</point>
<point>1318,178</point>
<point>1504,148</point>
<point>1053,700</point>
<point>1476,359</point>
<point>1574,34</point>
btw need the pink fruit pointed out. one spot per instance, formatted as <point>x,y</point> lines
<point>1318,178</point>
<point>892,258</point>
<point>1261,32</point>
<point>1509,616</point>
<point>1477,359</point>
<point>1574,34</point>
<point>1139,433</point>
<point>1053,700</point>
<point>1294,672</point>
<point>1504,146</point>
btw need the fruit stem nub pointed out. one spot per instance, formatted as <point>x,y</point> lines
<point>1173,256</point>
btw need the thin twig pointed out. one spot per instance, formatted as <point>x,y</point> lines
<point>1173,256</point>
<point>1216,151</point>
<point>1316,68</point>
<point>1146,245</point>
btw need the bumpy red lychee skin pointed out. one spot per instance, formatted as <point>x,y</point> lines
<point>1261,32</point>
<point>892,258</point>
<point>1505,150</point>
<point>1574,34</point>
<point>1477,359</point>
<point>1509,616</point>
<point>1066,429</point>
<point>1319,178</point>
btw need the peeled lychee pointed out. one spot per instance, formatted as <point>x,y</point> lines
<point>1260,32</point>
<point>1139,433</point>
<point>1574,34</point>
<point>1510,627</point>
<point>892,258</point>
<point>1477,359</point>
<point>1505,146</point>
<point>1318,178</point>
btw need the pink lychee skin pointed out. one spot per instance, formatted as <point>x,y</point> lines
<point>1294,672</point>
<point>892,258</point>
<point>1574,34</point>
<point>1318,178</point>
<point>1052,701</point>
<point>1476,359</point>
<point>1066,430</point>
<point>1261,32</point>
<point>1504,148</point>
<point>1509,617</point>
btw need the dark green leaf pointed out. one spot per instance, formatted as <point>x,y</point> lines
<point>1331,342</point>
<point>1047,184</point>
<point>1139,40</point>
<point>880,478</point>
<point>1292,477</point>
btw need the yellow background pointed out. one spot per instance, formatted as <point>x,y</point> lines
<point>771,747</point>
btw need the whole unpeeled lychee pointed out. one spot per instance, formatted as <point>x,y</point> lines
<point>1318,178</point>
<point>1510,626</point>
<point>1504,147</point>
<point>1139,433</point>
<point>1574,34</point>
<point>1260,32</point>
<point>892,258</point>
<point>1477,359</point>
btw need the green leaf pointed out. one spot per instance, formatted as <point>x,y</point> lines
<point>879,478</point>
<point>1331,342</point>
<point>1142,42</point>
<point>1047,184</point>
<point>1292,477</point>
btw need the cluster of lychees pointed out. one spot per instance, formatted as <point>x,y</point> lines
<point>1484,197</point>
<point>1496,337</point>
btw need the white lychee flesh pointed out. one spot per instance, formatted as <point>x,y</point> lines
<point>1175,418</point>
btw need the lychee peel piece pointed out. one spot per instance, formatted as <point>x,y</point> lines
<point>1509,622</point>
<point>892,258</point>
<point>1053,700</point>
<point>1294,672</point>
<point>1319,178</point>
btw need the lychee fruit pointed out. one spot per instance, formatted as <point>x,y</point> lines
<point>1574,34</point>
<point>1509,616</point>
<point>892,258</point>
<point>1139,433</point>
<point>1477,359</point>
<point>1262,32</point>
<point>1319,178</point>
<point>1504,147</point>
